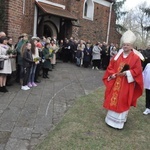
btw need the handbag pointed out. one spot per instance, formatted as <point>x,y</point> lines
<point>1,64</point>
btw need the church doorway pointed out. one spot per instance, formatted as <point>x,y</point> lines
<point>47,31</point>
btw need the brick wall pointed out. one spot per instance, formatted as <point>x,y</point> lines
<point>14,18</point>
<point>3,15</point>
<point>18,22</point>
<point>95,30</point>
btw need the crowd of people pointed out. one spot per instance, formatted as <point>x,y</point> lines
<point>26,60</point>
<point>30,58</point>
<point>84,53</point>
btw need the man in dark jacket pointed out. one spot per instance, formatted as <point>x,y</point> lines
<point>19,46</point>
<point>105,56</point>
<point>146,54</point>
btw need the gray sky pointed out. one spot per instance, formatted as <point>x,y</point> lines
<point>131,4</point>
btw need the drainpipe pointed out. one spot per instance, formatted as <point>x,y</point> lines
<point>109,21</point>
<point>23,7</point>
<point>35,22</point>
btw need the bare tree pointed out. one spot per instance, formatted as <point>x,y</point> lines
<point>137,20</point>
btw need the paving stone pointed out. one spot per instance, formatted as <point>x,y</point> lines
<point>3,106</point>
<point>22,133</point>
<point>7,125</point>
<point>43,108</point>
<point>2,146</point>
<point>34,142</point>
<point>25,121</point>
<point>42,129</point>
<point>17,103</point>
<point>22,95</point>
<point>4,136</point>
<point>10,114</point>
<point>36,135</point>
<point>6,99</point>
<point>17,144</point>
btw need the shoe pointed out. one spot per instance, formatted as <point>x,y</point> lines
<point>3,89</point>
<point>29,84</point>
<point>147,111</point>
<point>33,84</point>
<point>25,88</point>
<point>47,76</point>
<point>44,75</point>
<point>53,66</point>
<point>37,81</point>
<point>97,68</point>
<point>93,68</point>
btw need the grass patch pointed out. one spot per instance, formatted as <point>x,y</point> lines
<point>83,128</point>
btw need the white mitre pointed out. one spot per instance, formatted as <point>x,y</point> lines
<point>128,37</point>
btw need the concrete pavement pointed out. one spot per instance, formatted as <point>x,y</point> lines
<point>26,117</point>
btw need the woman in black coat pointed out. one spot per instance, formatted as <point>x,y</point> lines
<point>87,56</point>
<point>47,60</point>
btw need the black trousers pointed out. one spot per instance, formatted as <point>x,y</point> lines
<point>26,73</point>
<point>96,63</point>
<point>45,72</point>
<point>147,92</point>
<point>86,64</point>
<point>37,72</point>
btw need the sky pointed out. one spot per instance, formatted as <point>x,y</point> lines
<point>131,4</point>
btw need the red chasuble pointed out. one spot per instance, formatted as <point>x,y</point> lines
<point>120,94</point>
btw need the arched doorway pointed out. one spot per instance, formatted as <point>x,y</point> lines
<point>47,29</point>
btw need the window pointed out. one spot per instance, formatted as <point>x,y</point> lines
<point>88,9</point>
<point>85,9</point>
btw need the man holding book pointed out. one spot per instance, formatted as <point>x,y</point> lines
<point>123,81</point>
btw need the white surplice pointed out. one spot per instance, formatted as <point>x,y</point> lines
<point>116,120</point>
<point>146,77</point>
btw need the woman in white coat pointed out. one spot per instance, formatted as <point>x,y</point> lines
<point>7,63</point>
<point>53,49</point>
<point>96,56</point>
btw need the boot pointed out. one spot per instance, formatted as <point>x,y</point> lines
<point>53,66</point>
<point>3,89</point>
<point>44,75</point>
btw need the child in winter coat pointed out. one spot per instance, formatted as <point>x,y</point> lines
<point>27,63</point>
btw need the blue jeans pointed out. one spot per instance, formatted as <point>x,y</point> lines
<point>78,62</point>
<point>32,73</point>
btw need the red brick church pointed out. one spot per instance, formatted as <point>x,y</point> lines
<point>81,19</point>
